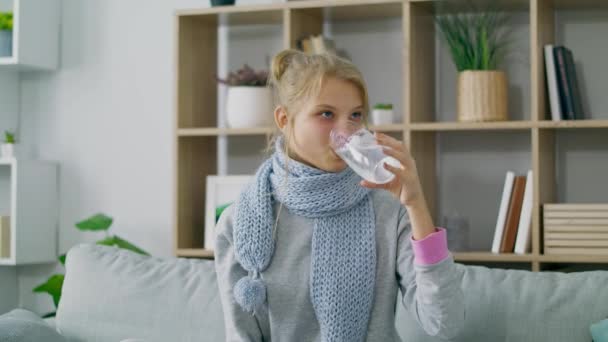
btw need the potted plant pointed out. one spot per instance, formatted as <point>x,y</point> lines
<point>477,42</point>
<point>8,146</point>
<point>382,114</point>
<point>249,100</point>
<point>97,223</point>
<point>6,34</point>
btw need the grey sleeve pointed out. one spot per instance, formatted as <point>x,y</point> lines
<point>431,293</point>
<point>239,325</point>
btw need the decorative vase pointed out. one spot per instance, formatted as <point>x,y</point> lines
<point>482,96</point>
<point>222,2</point>
<point>249,107</point>
<point>7,150</point>
<point>6,43</point>
<point>382,116</point>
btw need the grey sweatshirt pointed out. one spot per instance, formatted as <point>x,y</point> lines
<point>432,293</point>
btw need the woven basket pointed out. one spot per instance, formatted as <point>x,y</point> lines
<point>482,96</point>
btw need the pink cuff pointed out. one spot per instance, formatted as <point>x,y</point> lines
<point>432,249</point>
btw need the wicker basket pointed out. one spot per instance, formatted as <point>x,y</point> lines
<point>482,96</point>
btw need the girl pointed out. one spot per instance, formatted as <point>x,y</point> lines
<point>328,267</point>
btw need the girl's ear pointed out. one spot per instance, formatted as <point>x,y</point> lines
<point>280,118</point>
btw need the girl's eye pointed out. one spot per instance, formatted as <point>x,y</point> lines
<point>327,114</point>
<point>357,115</point>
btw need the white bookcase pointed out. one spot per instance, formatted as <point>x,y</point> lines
<point>29,195</point>
<point>35,34</point>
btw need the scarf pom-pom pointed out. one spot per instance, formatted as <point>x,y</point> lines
<point>250,293</point>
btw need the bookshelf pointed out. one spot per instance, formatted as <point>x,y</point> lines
<point>420,97</point>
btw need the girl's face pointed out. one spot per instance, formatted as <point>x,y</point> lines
<point>338,104</point>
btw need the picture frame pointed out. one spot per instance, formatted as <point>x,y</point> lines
<point>221,192</point>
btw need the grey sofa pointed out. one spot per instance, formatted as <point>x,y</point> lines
<point>111,294</point>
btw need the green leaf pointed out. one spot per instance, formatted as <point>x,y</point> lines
<point>97,222</point>
<point>53,287</point>
<point>220,209</point>
<point>121,243</point>
<point>50,314</point>
<point>62,259</point>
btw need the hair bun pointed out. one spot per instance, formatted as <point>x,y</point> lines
<point>281,61</point>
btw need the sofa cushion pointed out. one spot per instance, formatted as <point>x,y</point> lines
<point>20,325</point>
<point>515,305</point>
<point>111,294</point>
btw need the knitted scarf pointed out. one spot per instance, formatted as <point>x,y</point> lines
<point>343,256</point>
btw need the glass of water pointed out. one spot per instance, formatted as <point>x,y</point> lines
<point>359,149</point>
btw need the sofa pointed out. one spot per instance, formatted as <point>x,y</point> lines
<point>111,294</point>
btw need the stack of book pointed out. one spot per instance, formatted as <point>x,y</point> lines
<point>513,233</point>
<point>562,84</point>
<point>575,228</point>
<point>315,44</point>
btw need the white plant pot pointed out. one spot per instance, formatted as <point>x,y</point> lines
<point>382,116</point>
<point>249,107</point>
<point>7,150</point>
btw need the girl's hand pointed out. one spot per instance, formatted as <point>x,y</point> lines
<point>406,185</point>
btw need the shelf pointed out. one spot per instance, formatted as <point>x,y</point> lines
<point>573,124</point>
<point>471,126</point>
<point>573,258</point>
<point>194,253</point>
<point>29,196</point>
<point>417,74</point>
<point>203,132</point>
<point>212,131</point>
<point>492,257</point>
<point>35,36</point>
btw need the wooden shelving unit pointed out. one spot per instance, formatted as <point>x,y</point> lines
<point>196,132</point>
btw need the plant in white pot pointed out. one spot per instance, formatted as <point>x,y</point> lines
<point>477,43</point>
<point>6,34</point>
<point>382,114</point>
<point>249,99</point>
<point>8,146</point>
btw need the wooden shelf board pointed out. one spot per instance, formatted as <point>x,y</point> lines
<point>492,257</point>
<point>351,9</point>
<point>387,128</point>
<point>573,124</point>
<point>194,253</point>
<point>239,15</point>
<point>548,258</point>
<point>212,131</point>
<point>470,126</point>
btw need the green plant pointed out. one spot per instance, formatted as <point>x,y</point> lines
<point>9,137</point>
<point>95,223</point>
<point>477,40</point>
<point>6,21</point>
<point>383,106</point>
<point>245,76</point>
<point>219,209</point>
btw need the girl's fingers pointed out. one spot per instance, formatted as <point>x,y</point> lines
<point>400,156</point>
<point>373,185</point>
<point>387,140</point>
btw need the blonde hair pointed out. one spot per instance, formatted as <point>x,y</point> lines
<point>296,77</point>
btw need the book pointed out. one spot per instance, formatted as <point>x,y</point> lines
<point>5,237</point>
<point>510,231</point>
<point>573,83</point>
<point>522,243</point>
<point>502,211</point>
<point>570,99</point>
<point>556,111</point>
